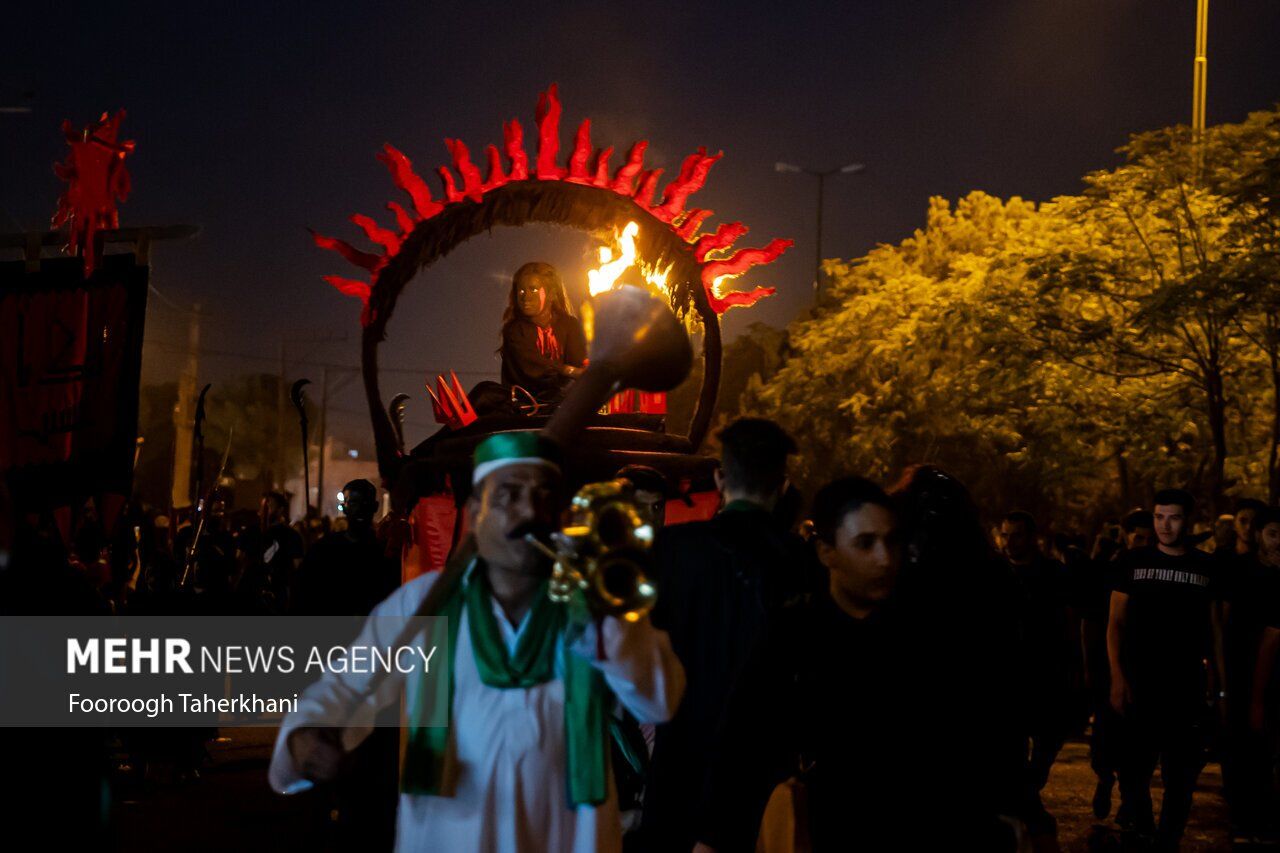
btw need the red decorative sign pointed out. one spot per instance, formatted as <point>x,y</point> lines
<point>96,179</point>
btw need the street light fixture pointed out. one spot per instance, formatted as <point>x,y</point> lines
<point>848,169</point>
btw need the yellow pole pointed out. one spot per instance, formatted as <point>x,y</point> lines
<point>184,417</point>
<point>1200,80</point>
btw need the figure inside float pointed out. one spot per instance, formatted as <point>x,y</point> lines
<point>544,347</point>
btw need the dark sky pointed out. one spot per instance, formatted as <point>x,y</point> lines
<point>254,120</point>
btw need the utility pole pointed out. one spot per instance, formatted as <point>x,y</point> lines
<point>343,378</point>
<point>849,169</point>
<point>277,476</point>
<point>184,416</point>
<point>324,412</point>
<point>1200,82</point>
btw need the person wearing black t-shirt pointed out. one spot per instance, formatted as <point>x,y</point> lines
<point>1156,644</point>
<point>1264,717</point>
<point>280,549</point>
<point>1252,607</point>
<point>1048,652</point>
<point>723,582</point>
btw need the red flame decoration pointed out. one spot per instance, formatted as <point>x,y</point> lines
<point>631,179</point>
<point>96,179</point>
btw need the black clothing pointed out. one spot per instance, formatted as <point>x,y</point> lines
<point>56,778</point>
<point>1254,597</point>
<point>721,583</point>
<point>1091,584</point>
<point>344,574</point>
<point>1047,649</point>
<point>1177,743</point>
<point>532,355</point>
<point>279,549</point>
<point>957,585</point>
<point>1166,633</point>
<point>1047,663</point>
<point>1165,641</point>
<point>865,705</point>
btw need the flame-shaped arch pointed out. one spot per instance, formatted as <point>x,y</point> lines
<point>539,190</point>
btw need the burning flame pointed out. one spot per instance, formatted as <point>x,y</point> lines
<point>605,277</point>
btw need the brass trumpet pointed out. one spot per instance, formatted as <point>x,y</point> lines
<point>604,550</point>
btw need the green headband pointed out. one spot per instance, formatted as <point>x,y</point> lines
<point>512,448</point>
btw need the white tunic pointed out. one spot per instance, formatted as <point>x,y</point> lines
<point>510,793</point>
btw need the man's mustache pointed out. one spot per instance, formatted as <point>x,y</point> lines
<point>540,530</point>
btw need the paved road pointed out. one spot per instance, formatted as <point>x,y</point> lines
<point>229,808</point>
<point>1070,793</point>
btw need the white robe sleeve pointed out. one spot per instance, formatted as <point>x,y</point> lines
<point>639,666</point>
<point>338,695</point>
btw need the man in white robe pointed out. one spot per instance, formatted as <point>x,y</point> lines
<point>507,745</point>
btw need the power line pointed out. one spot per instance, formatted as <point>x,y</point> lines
<point>204,351</point>
<point>169,303</point>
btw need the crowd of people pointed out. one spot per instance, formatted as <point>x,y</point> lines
<point>218,561</point>
<point>884,670</point>
<point>223,562</point>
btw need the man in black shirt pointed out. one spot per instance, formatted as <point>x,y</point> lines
<point>280,549</point>
<point>347,572</point>
<point>1252,606</point>
<point>1156,645</point>
<point>1264,721</point>
<point>721,584</point>
<point>1093,600</point>
<point>1047,654</point>
<point>852,697</point>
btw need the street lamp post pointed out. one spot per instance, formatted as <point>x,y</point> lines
<point>849,169</point>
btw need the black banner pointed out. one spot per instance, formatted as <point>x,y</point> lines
<point>70,363</point>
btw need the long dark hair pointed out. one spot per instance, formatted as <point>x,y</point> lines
<point>551,280</point>
<point>941,519</point>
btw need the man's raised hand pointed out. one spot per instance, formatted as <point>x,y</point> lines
<point>317,752</point>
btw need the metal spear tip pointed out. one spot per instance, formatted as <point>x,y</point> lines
<point>852,168</point>
<point>295,393</point>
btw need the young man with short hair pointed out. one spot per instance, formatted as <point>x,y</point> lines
<point>850,695</point>
<point>651,491</point>
<point>721,585</point>
<point>1160,616</point>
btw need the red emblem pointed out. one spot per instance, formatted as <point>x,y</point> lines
<point>96,179</point>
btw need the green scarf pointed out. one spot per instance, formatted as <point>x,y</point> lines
<point>585,718</point>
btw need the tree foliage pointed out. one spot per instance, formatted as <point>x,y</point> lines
<point>1072,355</point>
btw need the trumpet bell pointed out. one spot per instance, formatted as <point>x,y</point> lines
<point>637,336</point>
<point>604,551</point>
